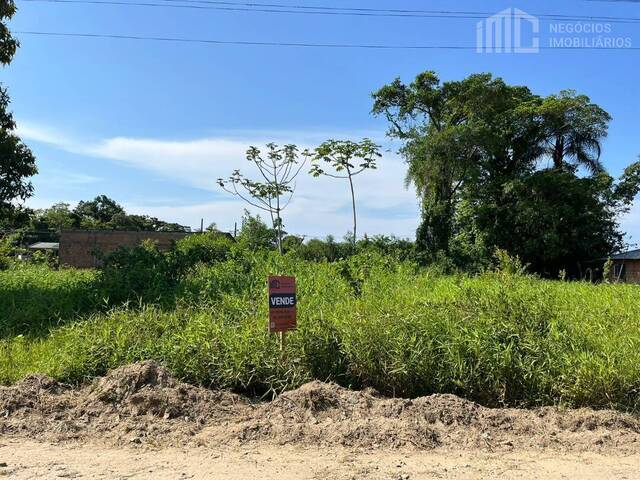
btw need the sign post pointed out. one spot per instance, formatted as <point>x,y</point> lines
<point>282,306</point>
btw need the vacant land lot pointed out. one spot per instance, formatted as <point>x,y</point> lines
<point>395,372</point>
<point>498,339</point>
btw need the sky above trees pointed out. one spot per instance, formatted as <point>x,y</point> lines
<point>153,125</point>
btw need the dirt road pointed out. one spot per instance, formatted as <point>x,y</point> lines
<point>31,460</point>
<point>139,422</point>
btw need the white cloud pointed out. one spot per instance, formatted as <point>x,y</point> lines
<point>320,206</point>
<point>316,221</point>
<point>39,133</point>
<point>197,163</point>
<point>61,178</point>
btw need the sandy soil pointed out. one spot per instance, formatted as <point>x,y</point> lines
<point>139,422</point>
<point>30,460</point>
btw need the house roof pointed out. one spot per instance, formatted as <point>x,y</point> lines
<point>45,246</point>
<point>630,255</point>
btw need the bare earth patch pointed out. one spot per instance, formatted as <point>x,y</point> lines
<point>26,459</point>
<point>159,419</point>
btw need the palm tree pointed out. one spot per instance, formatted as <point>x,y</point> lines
<point>573,130</point>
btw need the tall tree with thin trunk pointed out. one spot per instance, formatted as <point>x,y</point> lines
<point>278,167</point>
<point>347,159</point>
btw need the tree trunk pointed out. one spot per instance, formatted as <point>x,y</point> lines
<point>279,220</point>
<point>435,230</point>
<point>558,153</point>
<point>353,206</point>
<point>279,229</point>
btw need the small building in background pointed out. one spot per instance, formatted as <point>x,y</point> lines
<point>625,267</point>
<point>79,248</point>
<point>49,247</point>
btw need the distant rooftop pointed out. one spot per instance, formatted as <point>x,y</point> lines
<point>630,255</point>
<point>45,246</point>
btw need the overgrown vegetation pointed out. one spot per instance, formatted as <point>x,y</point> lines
<point>497,166</point>
<point>501,338</point>
<point>34,298</point>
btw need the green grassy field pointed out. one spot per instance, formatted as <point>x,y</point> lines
<point>499,339</point>
<point>33,298</point>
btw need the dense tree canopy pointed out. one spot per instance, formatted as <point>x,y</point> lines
<point>100,213</point>
<point>8,44</point>
<point>456,133</point>
<point>475,149</point>
<point>553,220</point>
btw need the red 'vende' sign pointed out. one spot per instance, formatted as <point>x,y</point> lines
<point>282,304</point>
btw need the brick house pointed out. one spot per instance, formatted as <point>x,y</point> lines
<point>626,267</point>
<point>77,247</point>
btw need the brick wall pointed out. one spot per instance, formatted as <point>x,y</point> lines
<point>76,246</point>
<point>631,271</point>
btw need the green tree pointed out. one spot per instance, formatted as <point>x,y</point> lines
<point>628,187</point>
<point>98,212</point>
<point>255,234</point>
<point>552,219</point>
<point>56,218</point>
<point>105,213</point>
<point>125,221</point>
<point>473,149</point>
<point>291,243</point>
<point>328,250</point>
<point>8,44</point>
<point>457,134</point>
<point>17,163</point>
<point>347,159</point>
<point>573,130</point>
<point>279,168</point>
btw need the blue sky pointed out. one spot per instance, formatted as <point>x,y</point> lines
<point>154,124</point>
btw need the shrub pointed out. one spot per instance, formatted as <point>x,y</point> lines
<point>397,248</point>
<point>7,251</point>
<point>142,272</point>
<point>327,250</point>
<point>256,235</point>
<point>208,247</point>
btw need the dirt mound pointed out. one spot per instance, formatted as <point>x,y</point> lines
<point>318,396</point>
<point>146,388</point>
<point>326,414</point>
<point>143,403</point>
<point>26,393</point>
<point>139,403</point>
<point>123,382</point>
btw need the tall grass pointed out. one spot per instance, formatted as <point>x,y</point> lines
<point>33,298</point>
<point>499,339</point>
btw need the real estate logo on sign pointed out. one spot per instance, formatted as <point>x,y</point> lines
<point>282,304</point>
